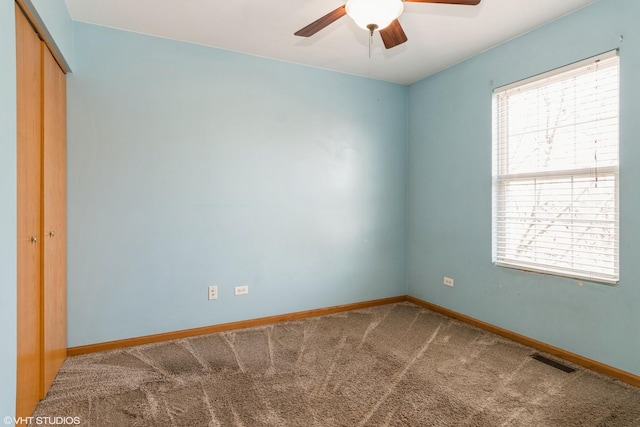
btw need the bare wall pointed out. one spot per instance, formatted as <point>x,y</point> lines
<point>191,166</point>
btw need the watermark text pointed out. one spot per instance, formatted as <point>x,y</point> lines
<point>53,421</point>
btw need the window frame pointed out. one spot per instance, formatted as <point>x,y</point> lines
<point>501,180</point>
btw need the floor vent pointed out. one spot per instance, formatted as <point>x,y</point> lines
<point>547,361</point>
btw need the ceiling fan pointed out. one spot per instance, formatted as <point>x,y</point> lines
<point>374,15</point>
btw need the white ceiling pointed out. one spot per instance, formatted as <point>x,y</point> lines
<point>439,35</point>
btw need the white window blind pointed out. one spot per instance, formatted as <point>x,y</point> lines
<point>555,171</point>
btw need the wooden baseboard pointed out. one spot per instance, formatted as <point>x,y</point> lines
<point>530,342</point>
<point>186,333</point>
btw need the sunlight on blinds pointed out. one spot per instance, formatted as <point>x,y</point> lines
<point>555,171</point>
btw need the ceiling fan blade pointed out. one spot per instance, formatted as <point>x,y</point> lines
<point>393,35</point>
<point>463,2</point>
<point>319,24</point>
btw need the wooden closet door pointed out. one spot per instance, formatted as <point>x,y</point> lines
<point>55,220</point>
<point>29,176</point>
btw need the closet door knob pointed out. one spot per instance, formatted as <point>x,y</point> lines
<point>34,239</point>
<point>52,233</point>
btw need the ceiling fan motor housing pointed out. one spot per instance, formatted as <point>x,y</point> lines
<point>370,13</point>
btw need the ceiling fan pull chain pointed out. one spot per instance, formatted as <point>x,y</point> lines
<point>372,28</point>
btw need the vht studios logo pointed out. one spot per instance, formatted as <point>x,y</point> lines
<point>53,421</point>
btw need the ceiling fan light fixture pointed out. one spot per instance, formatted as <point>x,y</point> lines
<point>376,13</point>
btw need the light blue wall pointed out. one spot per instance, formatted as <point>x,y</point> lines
<point>191,166</point>
<point>8,348</point>
<point>450,194</point>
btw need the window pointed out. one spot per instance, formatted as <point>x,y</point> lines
<point>555,171</point>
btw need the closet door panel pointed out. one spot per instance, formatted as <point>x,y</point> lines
<point>29,177</point>
<point>55,229</point>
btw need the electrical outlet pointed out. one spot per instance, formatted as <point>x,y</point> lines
<point>241,290</point>
<point>213,292</point>
<point>448,281</point>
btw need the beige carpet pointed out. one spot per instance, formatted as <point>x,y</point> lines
<point>393,365</point>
